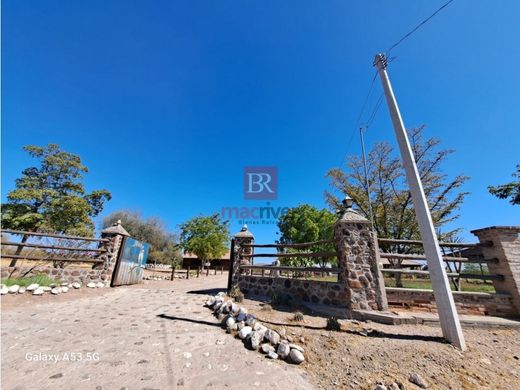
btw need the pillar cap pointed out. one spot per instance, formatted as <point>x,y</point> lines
<point>116,228</point>
<point>513,228</point>
<point>348,214</point>
<point>244,232</point>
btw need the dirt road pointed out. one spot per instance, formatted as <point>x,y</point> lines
<point>151,336</point>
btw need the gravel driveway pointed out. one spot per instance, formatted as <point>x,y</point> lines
<point>149,336</point>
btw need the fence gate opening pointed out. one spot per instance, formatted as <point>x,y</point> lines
<point>131,262</point>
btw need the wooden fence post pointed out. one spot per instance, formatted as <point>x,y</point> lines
<point>188,272</point>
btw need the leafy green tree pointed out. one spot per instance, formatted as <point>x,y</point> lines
<point>205,236</point>
<point>164,248</point>
<point>51,197</point>
<point>306,223</point>
<point>391,201</point>
<point>509,190</point>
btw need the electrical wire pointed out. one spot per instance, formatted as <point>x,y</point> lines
<point>418,26</point>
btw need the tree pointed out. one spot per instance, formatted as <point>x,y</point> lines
<point>509,190</point>
<point>394,215</point>
<point>205,236</point>
<point>52,197</point>
<point>164,248</point>
<point>306,223</point>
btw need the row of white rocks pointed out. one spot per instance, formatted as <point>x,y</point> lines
<point>36,289</point>
<point>257,336</point>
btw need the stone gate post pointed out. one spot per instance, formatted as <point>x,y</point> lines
<point>358,258</point>
<point>503,244</point>
<point>242,255</point>
<point>114,234</point>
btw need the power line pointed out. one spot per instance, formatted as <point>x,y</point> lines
<point>418,26</point>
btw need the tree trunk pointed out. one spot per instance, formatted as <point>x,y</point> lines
<point>25,237</point>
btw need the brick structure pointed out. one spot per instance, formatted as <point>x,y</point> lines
<point>505,247</point>
<point>356,245</point>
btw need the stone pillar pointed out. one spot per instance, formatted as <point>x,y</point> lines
<point>114,234</point>
<point>503,244</point>
<point>242,255</point>
<point>358,258</point>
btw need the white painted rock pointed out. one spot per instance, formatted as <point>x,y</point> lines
<point>76,285</point>
<point>210,301</point>
<point>266,348</point>
<point>296,356</point>
<point>91,285</point>
<point>272,355</point>
<point>230,322</point>
<point>33,287</point>
<point>294,346</point>
<point>64,289</point>
<point>14,289</point>
<point>38,291</point>
<point>283,350</point>
<point>244,332</point>
<point>272,336</point>
<point>256,338</point>
<point>100,284</point>
<point>56,290</point>
<point>65,284</point>
<point>4,290</point>
<point>22,290</point>
<point>46,288</point>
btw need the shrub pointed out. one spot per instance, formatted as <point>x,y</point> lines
<point>333,324</point>
<point>236,294</point>
<point>298,316</point>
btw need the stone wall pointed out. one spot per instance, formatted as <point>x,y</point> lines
<point>68,274</point>
<point>296,290</point>
<point>466,302</point>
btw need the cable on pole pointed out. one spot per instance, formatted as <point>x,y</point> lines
<point>418,26</point>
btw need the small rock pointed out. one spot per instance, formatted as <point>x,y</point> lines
<point>296,356</point>
<point>33,287</point>
<point>76,285</point>
<point>38,291</point>
<point>256,338</point>
<point>22,290</point>
<point>266,348</point>
<point>100,284</point>
<point>56,290</point>
<point>230,322</point>
<point>241,317</point>
<point>250,320</point>
<point>4,290</point>
<point>64,289</point>
<point>379,386</point>
<point>91,285</point>
<point>244,332</point>
<point>272,336</point>
<point>240,325</point>
<point>283,350</point>
<point>187,355</point>
<point>272,355</point>
<point>65,284</point>
<point>210,302</point>
<point>235,308</point>
<point>14,289</point>
<point>418,380</point>
<point>294,346</point>
<point>46,288</point>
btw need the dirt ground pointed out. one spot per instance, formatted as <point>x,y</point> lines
<point>364,354</point>
<point>159,336</point>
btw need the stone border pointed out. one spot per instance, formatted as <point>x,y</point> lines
<point>254,334</point>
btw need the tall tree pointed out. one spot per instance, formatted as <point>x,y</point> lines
<point>51,197</point>
<point>205,236</point>
<point>164,248</point>
<point>306,223</point>
<point>509,190</point>
<point>394,215</point>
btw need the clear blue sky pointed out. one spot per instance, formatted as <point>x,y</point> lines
<point>167,101</point>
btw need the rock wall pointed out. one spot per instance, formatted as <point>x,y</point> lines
<point>69,274</point>
<point>466,302</point>
<point>296,290</point>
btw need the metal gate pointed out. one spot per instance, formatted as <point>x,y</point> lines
<point>130,264</point>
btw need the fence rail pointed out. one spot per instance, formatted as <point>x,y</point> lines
<point>295,254</point>
<point>64,259</point>
<point>449,274</point>
<point>65,237</point>
<point>445,258</point>
<point>302,245</point>
<point>441,243</point>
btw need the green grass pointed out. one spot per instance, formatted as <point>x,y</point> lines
<point>425,284</point>
<point>42,280</point>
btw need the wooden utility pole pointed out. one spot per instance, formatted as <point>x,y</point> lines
<point>448,316</point>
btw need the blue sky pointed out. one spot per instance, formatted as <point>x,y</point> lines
<point>167,101</point>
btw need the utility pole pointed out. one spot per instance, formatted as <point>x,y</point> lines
<point>448,316</point>
<point>362,139</point>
